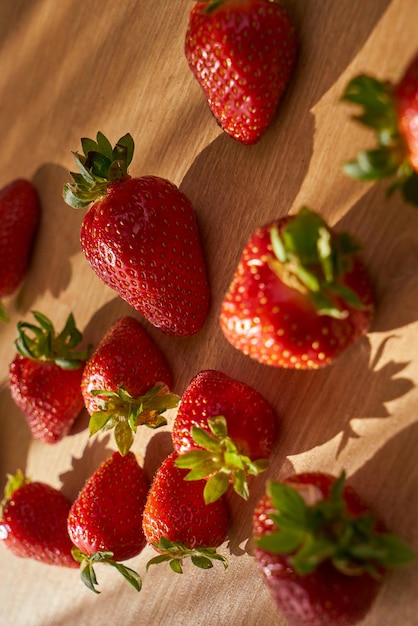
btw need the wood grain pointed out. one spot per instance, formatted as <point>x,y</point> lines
<point>69,69</point>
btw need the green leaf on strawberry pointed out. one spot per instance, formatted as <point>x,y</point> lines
<point>220,460</point>
<point>41,342</point>
<point>88,575</point>
<point>174,552</point>
<point>324,530</point>
<point>124,413</point>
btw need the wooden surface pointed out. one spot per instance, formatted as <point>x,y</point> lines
<point>69,69</point>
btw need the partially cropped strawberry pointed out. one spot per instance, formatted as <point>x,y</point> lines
<point>140,236</point>
<point>300,295</point>
<point>33,521</point>
<point>19,220</point>
<point>322,552</point>
<point>178,523</point>
<point>391,111</point>
<point>126,383</point>
<point>45,376</point>
<point>105,521</point>
<point>242,53</point>
<point>224,430</point>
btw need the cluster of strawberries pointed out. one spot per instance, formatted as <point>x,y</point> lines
<point>299,297</point>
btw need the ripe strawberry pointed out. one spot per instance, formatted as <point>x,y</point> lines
<point>105,521</point>
<point>178,523</point>
<point>242,53</point>
<point>321,551</point>
<point>45,377</point>
<point>300,295</point>
<point>223,431</point>
<point>125,383</point>
<point>391,110</point>
<point>140,236</point>
<point>33,521</point>
<point>19,220</point>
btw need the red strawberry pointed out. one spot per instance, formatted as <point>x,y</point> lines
<point>33,522</point>
<point>391,111</point>
<point>19,219</point>
<point>224,430</point>
<point>140,236</point>
<point>242,53</point>
<point>105,521</point>
<point>178,523</point>
<point>321,551</point>
<point>131,371</point>
<point>300,295</point>
<point>45,377</point>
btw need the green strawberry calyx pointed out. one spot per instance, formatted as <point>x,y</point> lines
<point>88,575</point>
<point>3,315</point>
<point>13,483</point>
<point>389,159</point>
<point>313,533</point>
<point>310,258</point>
<point>175,552</point>
<point>42,343</point>
<point>123,413</point>
<point>99,166</point>
<point>219,460</point>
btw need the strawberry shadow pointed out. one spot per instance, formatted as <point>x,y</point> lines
<point>57,240</point>
<point>158,448</point>
<point>96,451</point>
<point>15,437</point>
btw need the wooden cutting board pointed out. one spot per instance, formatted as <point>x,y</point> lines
<point>69,69</point>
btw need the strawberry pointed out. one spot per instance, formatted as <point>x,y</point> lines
<point>19,220</point>
<point>224,430</point>
<point>125,383</point>
<point>321,551</point>
<point>140,236</point>
<point>242,53</point>
<point>391,111</point>
<point>300,295</point>
<point>45,377</point>
<point>105,521</point>
<point>178,523</point>
<point>33,521</point>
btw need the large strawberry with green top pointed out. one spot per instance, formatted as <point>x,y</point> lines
<point>45,376</point>
<point>321,550</point>
<point>126,383</point>
<point>223,431</point>
<point>178,523</point>
<point>33,521</point>
<point>391,111</point>
<point>242,53</point>
<point>140,236</point>
<point>105,521</point>
<point>300,296</point>
<point>19,219</point>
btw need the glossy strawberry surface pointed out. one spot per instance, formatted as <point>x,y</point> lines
<point>19,219</point>
<point>242,53</point>
<point>278,325</point>
<point>126,357</point>
<point>142,240</point>
<point>48,396</point>
<point>175,510</point>
<point>406,101</point>
<point>33,524</point>
<point>325,597</point>
<point>107,514</point>
<point>251,420</point>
